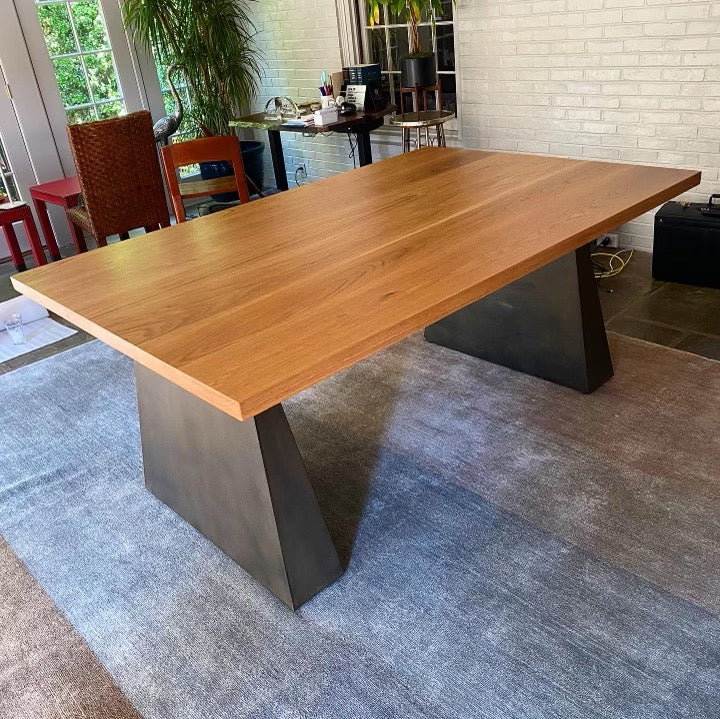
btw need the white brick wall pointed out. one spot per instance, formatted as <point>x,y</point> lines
<point>619,80</point>
<point>622,80</point>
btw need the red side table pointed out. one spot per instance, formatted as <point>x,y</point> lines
<point>20,212</point>
<point>65,193</point>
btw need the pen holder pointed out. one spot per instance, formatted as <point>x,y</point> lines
<point>327,101</point>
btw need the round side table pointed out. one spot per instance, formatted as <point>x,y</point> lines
<point>421,122</point>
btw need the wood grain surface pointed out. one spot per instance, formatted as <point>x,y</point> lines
<point>246,307</point>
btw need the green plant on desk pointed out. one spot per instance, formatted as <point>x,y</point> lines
<point>212,41</point>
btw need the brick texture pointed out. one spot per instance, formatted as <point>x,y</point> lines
<point>618,80</point>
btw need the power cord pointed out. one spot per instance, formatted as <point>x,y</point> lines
<point>353,147</point>
<point>611,264</point>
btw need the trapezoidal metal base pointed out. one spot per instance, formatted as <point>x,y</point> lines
<point>548,324</point>
<point>241,484</point>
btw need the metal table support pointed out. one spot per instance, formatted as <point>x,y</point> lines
<point>548,324</point>
<point>241,484</point>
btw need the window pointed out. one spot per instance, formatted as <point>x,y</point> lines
<point>388,41</point>
<point>77,40</point>
<point>8,188</point>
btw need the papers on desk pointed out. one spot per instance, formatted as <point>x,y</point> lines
<point>301,121</point>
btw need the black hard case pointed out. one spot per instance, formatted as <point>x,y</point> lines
<point>686,246</point>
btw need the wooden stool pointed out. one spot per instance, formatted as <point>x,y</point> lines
<point>416,92</point>
<point>21,213</point>
<point>65,193</point>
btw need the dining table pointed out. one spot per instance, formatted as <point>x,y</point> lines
<point>228,316</point>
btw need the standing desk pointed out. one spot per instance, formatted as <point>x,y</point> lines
<point>359,123</point>
<point>229,315</point>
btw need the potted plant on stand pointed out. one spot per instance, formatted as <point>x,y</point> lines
<point>211,45</point>
<point>418,66</point>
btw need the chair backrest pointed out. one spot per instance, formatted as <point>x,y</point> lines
<point>119,173</point>
<point>205,149</point>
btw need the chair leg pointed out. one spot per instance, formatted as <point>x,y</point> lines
<point>14,247</point>
<point>78,236</point>
<point>34,240</point>
<point>101,241</point>
<point>150,228</point>
<point>124,235</point>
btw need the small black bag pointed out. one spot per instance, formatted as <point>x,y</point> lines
<point>686,246</point>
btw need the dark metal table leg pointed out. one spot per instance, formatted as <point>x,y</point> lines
<point>364,147</point>
<point>241,484</point>
<point>548,324</point>
<point>278,159</point>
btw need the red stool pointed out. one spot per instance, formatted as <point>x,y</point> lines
<point>21,213</point>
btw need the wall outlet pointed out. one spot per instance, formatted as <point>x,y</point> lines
<point>301,173</point>
<point>609,239</point>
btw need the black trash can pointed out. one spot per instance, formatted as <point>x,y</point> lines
<point>252,155</point>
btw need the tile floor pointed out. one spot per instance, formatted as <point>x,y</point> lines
<point>633,304</point>
<point>682,316</point>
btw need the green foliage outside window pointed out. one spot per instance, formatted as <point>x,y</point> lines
<point>82,59</point>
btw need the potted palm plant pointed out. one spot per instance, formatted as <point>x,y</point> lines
<point>417,67</point>
<point>211,45</point>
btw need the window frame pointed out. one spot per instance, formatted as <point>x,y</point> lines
<point>363,29</point>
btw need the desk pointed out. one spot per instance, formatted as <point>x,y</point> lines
<point>360,123</point>
<point>257,305</point>
<point>65,193</point>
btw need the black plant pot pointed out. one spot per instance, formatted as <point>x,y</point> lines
<point>252,155</point>
<point>418,71</point>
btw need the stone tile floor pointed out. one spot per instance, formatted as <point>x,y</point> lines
<point>634,304</point>
<point>682,316</point>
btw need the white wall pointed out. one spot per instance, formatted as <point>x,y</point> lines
<point>622,80</point>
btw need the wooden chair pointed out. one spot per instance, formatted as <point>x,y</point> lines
<point>206,149</point>
<point>120,178</point>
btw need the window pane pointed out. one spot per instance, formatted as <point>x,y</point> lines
<point>445,47</point>
<point>11,188</point>
<point>399,45</point>
<point>110,109</point>
<point>55,23</point>
<point>85,114</point>
<point>90,25</point>
<point>447,10</point>
<point>378,51</point>
<point>7,186</point>
<point>71,81</point>
<point>425,38</point>
<point>449,93</point>
<point>101,73</point>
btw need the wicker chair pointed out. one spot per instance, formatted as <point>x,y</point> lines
<point>120,178</point>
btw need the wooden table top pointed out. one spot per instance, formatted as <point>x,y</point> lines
<point>246,307</point>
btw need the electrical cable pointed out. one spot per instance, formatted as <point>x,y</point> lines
<point>353,147</point>
<point>613,265</point>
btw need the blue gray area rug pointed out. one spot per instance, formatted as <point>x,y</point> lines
<point>513,549</point>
